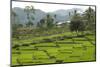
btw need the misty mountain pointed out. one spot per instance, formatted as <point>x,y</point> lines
<point>61,15</point>
<point>22,16</point>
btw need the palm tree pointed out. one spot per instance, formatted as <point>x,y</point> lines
<point>55,16</point>
<point>29,11</point>
<point>89,18</point>
<point>49,21</point>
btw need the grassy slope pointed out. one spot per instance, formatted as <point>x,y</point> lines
<point>79,49</point>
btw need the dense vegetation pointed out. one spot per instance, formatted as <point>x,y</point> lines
<point>51,42</point>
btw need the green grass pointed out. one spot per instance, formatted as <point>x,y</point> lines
<point>40,55</point>
<point>14,59</point>
<point>45,44</point>
<point>79,39</point>
<point>73,49</point>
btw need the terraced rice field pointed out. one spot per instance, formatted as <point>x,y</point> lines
<point>65,50</point>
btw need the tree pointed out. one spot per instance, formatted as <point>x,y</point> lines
<point>29,24</point>
<point>20,25</point>
<point>49,21</point>
<point>76,23</point>
<point>46,23</point>
<point>55,17</point>
<point>89,18</point>
<point>41,24</point>
<point>29,11</point>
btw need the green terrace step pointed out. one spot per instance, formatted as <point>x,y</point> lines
<point>72,59</point>
<point>91,36</point>
<point>14,61</point>
<point>66,45</point>
<point>40,55</point>
<point>74,49</point>
<point>45,45</point>
<point>79,39</point>
<point>26,56</point>
<point>78,45</point>
<point>66,39</point>
<point>64,42</point>
<point>62,56</point>
<point>65,48</point>
<point>39,61</point>
<point>46,48</point>
<point>87,43</point>
<point>68,51</point>
<point>27,48</point>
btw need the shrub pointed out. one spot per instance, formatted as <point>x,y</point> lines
<point>80,35</point>
<point>64,36</point>
<point>59,61</point>
<point>48,40</point>
<point>16,52</point>
<point>33,42</point>
<point>25,44</point>
<point>52,57</point>
<point>15,46</point>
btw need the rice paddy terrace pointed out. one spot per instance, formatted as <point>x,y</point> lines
<point>61,48</point>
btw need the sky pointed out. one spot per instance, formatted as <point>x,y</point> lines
<point>47,7</point>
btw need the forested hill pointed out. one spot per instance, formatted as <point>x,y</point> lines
<point>62,15</point>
